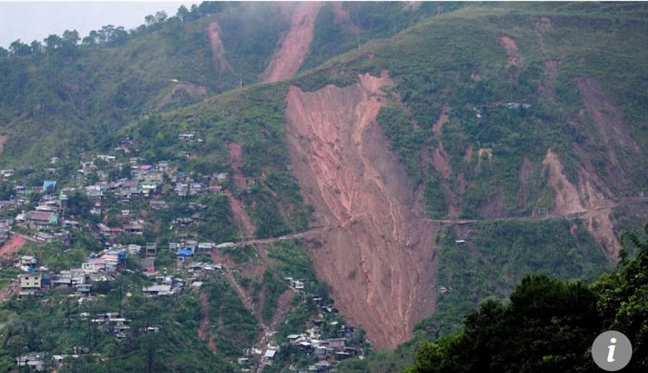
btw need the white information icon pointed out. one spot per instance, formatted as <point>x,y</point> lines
<point>612,351</point>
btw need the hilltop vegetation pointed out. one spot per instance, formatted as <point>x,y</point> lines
<point>548,325</point>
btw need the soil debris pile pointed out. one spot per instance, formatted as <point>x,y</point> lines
<point>378,254</point>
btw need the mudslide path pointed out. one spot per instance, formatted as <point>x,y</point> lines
<point>378,252</point>
<point>294,45</point>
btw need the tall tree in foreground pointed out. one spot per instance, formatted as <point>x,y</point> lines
<point>549,325</point>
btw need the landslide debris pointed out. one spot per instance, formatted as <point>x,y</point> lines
<point>294,44</point>
<point>378,254</point>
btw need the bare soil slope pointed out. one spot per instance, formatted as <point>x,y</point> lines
<point>378,253</point>
<point>589,196</point>
<point>14,244</point>
<point>609,125</point>
<point>218,52</point>
<point>514,56</point>
<point>293,45</point>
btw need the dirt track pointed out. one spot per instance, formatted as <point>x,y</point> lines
<point>204,323</point>
<point>293,45</point>
<point>378,254</point>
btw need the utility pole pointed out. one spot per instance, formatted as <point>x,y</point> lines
<point>120,300</point>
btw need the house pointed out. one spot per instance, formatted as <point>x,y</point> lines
<point>163,166</point>
<point>184,222</point>
<point>95,265</point>
<point>84,289</point>
<point>147,168</point>
<point>5,230</point>
<point>49,186</point>
<point>221,177</point>
<point>71,224</point>
<point>134,228</point>
<point>71,278</point>
<point>296,284</point>
<point>134,249</point>
<point>186,136</point>
<point>151,249</point>
<point>33,360</point>
<point>5,204</point>
<point>269,356</point>
<point>206,246</point>
<point>184,253</point>
<point>158,290</point>
<point>94,192</point>
<point>42,218</point>
<point>158,204</point>
<point>30,283</point>
<point>43,237</point>
<point>292,338</point>
<point>195,188</point>
<point>244,360</point>
<point>149,185</point>
<point>182,189</point>
<point>28,261</point>
<point>334,343</point>
<point>7,173</point>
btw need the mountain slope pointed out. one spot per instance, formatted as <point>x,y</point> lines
<point>377,253</point>
<point>436,166</point>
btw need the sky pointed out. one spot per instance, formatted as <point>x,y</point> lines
<point>36,20</point>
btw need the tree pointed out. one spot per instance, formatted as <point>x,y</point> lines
<point>150,20</point>
<point>88,41</point>
<point>19,49</point>
<point>183,13</point>
<point>106,33</point>
<point>71,37</point>
<point>36,46</point>
<point>160,16</point>
<point>547,326</point>
<point>53,42</point>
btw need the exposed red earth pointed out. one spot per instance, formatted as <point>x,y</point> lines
<point>294,44</point>
<point>378,253</point>
<point>218,52</point>
<point>14,244</point>
<point>514,56</point>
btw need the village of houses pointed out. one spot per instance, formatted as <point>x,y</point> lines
<point>47,221</point>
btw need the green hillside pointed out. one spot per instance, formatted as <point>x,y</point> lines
<point>520,125</point>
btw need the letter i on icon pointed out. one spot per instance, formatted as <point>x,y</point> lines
<point>611,349</point>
